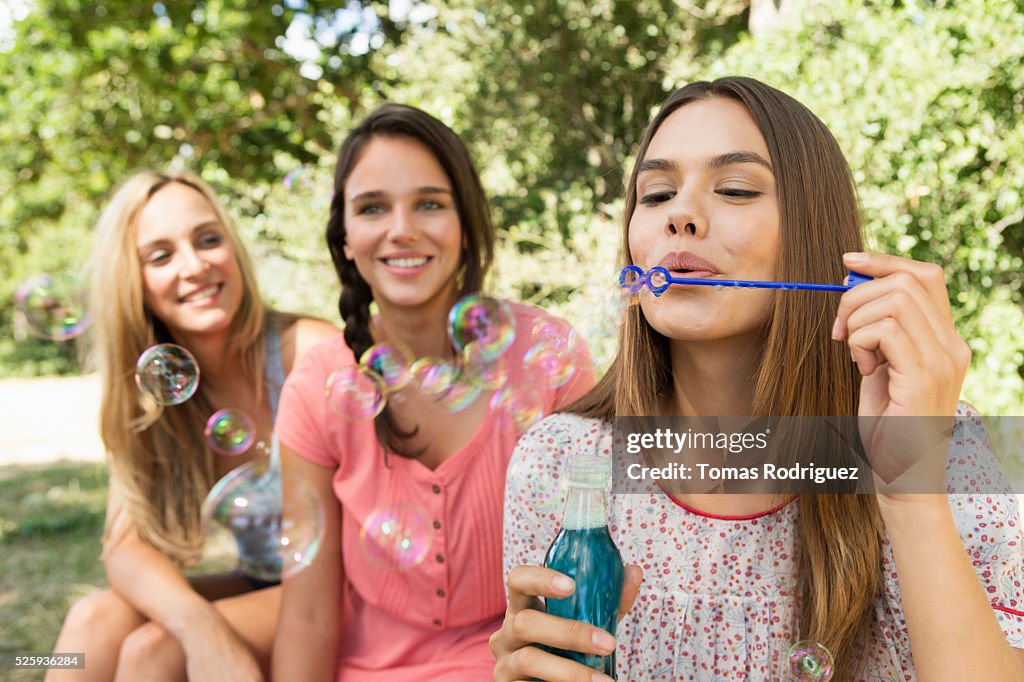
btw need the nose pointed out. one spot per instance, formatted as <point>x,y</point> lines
<point>686,216</point>
<point>403,228</point>
<point>193,264</point>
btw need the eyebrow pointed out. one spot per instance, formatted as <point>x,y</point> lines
<point>378,194</point>
<point>714,163</point>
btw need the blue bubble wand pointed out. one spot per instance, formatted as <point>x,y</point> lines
<point>658,279</point>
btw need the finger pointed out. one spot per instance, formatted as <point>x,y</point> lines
<point>536,627</point>
<point>910,289</point>
<point>887,337</point>
<point>631,582</point>
<point>900,306</point>
<point>531,662</point>
<point>525,583</point>
<point>884,264</point>
<point>879,265</point>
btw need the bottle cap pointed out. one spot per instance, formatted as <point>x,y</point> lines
<point>589,471</point>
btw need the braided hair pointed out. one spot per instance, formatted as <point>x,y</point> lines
<point>396,120</point>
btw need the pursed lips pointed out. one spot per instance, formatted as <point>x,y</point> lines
<point>688,264</point>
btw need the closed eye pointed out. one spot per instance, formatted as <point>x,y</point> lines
<point>738,193</point>
<point>655,198</point>
<point>210,240</point>
<point>158,258</point>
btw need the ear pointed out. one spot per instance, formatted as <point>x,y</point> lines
<point>347,250</point>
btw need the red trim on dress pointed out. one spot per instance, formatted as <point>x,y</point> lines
<point>1012,612</point>
<point>708,515</point>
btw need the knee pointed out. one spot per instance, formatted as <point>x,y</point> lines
<point>92,613</point>
<point>150,648</point>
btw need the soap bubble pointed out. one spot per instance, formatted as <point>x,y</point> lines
<point>461,393</point>
<point>230,432</point>
<point>277,531</point>
<point>545,361</point>
<point>488,322</point>
<point>490,374</point>
<point>810,662</point>
<point>52,306</point>
<point>555,333</point>
<point>391,361</point>
<point>397,537</point>
<point>523,406</point>
<point>433,375</point>
<point>297,178</point>
<point>167,373</point>
<point>354,392</point>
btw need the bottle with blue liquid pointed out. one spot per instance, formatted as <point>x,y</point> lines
<point>584,551</point>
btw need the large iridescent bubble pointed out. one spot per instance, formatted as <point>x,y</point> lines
<point>277,531</point>
<point>544,361</point>
<point>810,662</point>
<point>391,361</point>
<point>355,392</point>
<point>433,375</point>
<point>490,374</point>
<point>487,322</point>
<point>461,393</point>
<point>396,538</point>
<point>167,373</point>
<point>52,306</point>
<point>230,432</point>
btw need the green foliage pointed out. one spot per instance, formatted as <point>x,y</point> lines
<point>924,98</point>
<point>927,105</point>
<point>92,91</point>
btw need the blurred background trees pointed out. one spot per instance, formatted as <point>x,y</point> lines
<point>925,98</point>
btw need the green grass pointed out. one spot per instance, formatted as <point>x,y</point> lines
<point>51,526</point>
<point>51,523</point>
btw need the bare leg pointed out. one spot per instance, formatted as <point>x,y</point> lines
<point>151,653</point>
<point>96,625</point>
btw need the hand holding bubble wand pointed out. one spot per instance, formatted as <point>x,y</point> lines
<point>658,279</point>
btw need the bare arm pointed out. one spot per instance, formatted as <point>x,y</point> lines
<point>310,625</point>
<point>900,332</point>
<point>153,584</point>
<point>298,338</point>
<point>935,573</point>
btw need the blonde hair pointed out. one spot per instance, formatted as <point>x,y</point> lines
<point>801,373</point>
<point>158,457</point>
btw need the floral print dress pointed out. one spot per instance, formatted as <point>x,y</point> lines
<point>719,600</point>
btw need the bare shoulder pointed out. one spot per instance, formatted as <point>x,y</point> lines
<point>301,335</point>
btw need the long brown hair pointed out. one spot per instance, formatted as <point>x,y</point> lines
<point>161,465</point>
<point>396,120</point>
<point>802,372</point>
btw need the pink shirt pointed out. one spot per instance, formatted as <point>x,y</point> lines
<point>432,621</point>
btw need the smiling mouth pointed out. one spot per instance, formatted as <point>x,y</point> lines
<point>406,262</point>
<point>205,292</point>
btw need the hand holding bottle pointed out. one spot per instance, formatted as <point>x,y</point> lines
<point>515,645</point>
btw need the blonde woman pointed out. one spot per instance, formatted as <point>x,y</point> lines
<point>736,180</point>
<point>168,267</point>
